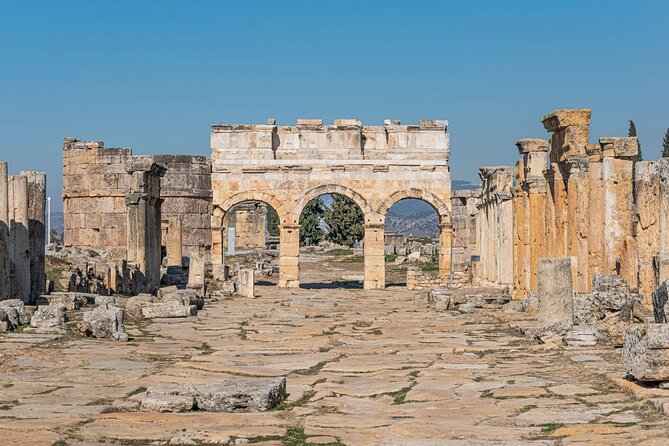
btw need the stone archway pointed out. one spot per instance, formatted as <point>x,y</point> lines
<point>443,210</point>
<point>286,166</point>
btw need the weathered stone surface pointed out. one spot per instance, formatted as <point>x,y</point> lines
<point>72,301</point>
<point>646,352</point>
<point>169,398</point>
<point>582,336</point>
<point>661,303</point>
<point>167,310</point>
<point>16,311</point>
<point>241,395</point>
<point>466,308</point>
<point>49,317</point>
<point>245,282</point>
<point>133,306</point>
<point>555,291</point>
<point>105,321</point>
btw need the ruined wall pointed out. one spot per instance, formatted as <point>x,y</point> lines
<point>95,185</point>
<point>22,234</point>
<point>375,166</point>
<point>587,202</point>
<point>464,210</point>
<point>249,221</point>
<point>494,227</point>
<point>186,193</point>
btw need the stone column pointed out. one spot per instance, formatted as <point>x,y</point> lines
<point>445,245</point>
<point>5,288</point>
<point>578,222</point>
<point>663,256</point>
<point>375,260</point>
<point>174,241</point>
<point>144,219</point>
<point>19,243</point>
<point>596,212</point>
<point>555,292</point>
<point>505,236</point>
<point>289,256</point>
<point>647,193</point>
<point>37,230</point>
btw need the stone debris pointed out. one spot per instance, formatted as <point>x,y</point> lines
<point>49,318</point>
<point>168,309</point>
<point>646,352</point>
<point>169,398</point>
<point>241,395</point>
<point>582,337</point>
<point>228,395</point>
<point>105,321</point>
<point>13,313</point>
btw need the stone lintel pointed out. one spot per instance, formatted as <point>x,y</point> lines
<point>527,145</point>
<point>619,147</point>
<point>342,122</point>
<point>561,119</point>
<point>488,171</point>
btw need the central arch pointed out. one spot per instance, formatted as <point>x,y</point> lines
<point>336,189</point>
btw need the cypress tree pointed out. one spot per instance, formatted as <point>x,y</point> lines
<point>665,145</point>
<point>345,221</point>
<point>310,220</point>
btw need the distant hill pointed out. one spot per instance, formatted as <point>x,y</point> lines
<point>57,221</point>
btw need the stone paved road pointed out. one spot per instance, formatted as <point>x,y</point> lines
<point>363,368</point>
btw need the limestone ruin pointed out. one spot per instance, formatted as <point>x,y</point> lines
<point>491,324</point>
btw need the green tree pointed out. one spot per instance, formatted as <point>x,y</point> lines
<point>345,221</point>
<point>632,132</point>
<point>272,222</point>
<point>310,220</point>
<point>665,145</point>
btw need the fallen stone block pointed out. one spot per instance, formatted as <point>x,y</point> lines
<point>241,395</point>
<point>646,352</point>
<point>515,306</point>
<point>167,310</point>
<point>105,321</point>
<point>22,317</point>
<point>101,300</point>
<point>466,308</point>
<point>72,301</point>
<point>581,336</point>
<point>169,398</point>
<point>49,318</point>
<point>133,307</point>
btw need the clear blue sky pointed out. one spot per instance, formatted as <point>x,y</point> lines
<point>153,75</point>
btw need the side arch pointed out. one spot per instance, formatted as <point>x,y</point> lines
<point>262,197</point>
<point>337,189</point>
<point>440,206</point>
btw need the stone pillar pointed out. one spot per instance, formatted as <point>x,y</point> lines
<point>196,271</point>
<point>174,241</point>
<point>555,291</point>
<point>619,243</point>
<point>289,256</point>
<point>144,219</point>
<point>504,235</point>
<point>37,230</point>
<point>246,282</point>
<point>375,261</point>
<point>19,243</point>
<point>5,288</point>
<point>445,246</point>
<point>647,192</point>
<point>578,222</point>
<point>596,211</point>
<point>663,255</point>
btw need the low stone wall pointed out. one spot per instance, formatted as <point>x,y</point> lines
<point>419,280</point>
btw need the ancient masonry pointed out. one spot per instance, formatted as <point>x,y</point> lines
<point>568,198</point>
<point>287,166</point>
<point>22,234</point>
